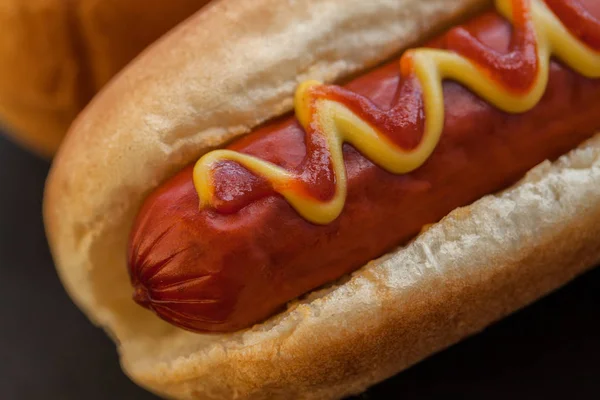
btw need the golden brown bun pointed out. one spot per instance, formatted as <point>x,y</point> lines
<point>57,54</point>
<point>214,78</point>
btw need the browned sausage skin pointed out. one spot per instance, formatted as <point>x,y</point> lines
<point>208,271</point>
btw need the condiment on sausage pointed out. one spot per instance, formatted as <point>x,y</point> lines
<point>415,150</point>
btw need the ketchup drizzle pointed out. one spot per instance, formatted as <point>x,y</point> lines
<point>402,123</point>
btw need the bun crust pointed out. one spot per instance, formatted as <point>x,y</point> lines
<point>57,54</point>
<point>226,70</point>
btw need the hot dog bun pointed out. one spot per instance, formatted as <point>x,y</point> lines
<point>228,69</point>
<point>57,54</point>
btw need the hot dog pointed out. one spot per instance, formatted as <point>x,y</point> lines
<point>297,241</point>
<point>226,267</point>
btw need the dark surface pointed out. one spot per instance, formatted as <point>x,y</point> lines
<point>48,350</point>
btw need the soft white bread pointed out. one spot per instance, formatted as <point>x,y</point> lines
<point>230,68</point>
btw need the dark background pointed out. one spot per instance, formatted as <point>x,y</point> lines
<point>48,350</point>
